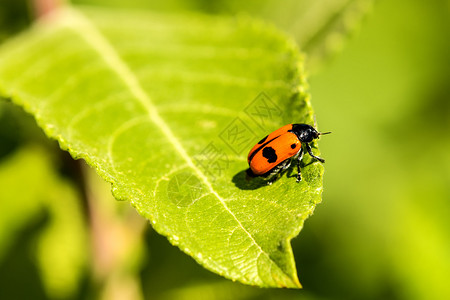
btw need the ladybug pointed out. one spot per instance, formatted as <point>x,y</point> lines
<point>274,153</point>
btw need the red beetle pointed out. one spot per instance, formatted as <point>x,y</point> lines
<point>274,153</point>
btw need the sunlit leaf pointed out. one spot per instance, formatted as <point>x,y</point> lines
<point>165,107</point>
<point>320,27</point>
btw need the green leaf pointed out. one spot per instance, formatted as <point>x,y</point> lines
<point>30,187</point>
<point>14,16</point>
<point>320,27</point>
<point>14,173</point>
<point>154,103</point>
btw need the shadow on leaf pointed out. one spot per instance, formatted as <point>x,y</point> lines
<point>244,182</point>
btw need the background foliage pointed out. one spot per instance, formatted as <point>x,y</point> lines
<point>382,231</point>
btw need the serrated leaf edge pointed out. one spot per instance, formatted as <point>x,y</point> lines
<point>80,24</point>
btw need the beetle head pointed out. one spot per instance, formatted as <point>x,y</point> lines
<point>306,133</point>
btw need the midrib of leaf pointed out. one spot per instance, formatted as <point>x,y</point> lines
<point>87,31</point>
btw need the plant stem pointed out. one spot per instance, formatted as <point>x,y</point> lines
<point>116,240</point>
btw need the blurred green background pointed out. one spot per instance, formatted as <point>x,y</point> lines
<point>382,231</point>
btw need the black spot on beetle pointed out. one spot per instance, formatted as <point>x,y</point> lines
<point>270,154</point>
<point>263,140</point>
<point>293,146</point>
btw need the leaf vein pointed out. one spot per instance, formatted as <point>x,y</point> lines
<point>87,31</point>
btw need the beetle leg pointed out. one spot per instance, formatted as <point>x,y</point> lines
<point>299,158</point>
<point>270,180</point>
<point>308,148</point>
<point>273,176</point>
<point>286,165</point>
<point>276,172</point>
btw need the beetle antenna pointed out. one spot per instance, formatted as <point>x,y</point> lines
<point>322,133</point>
